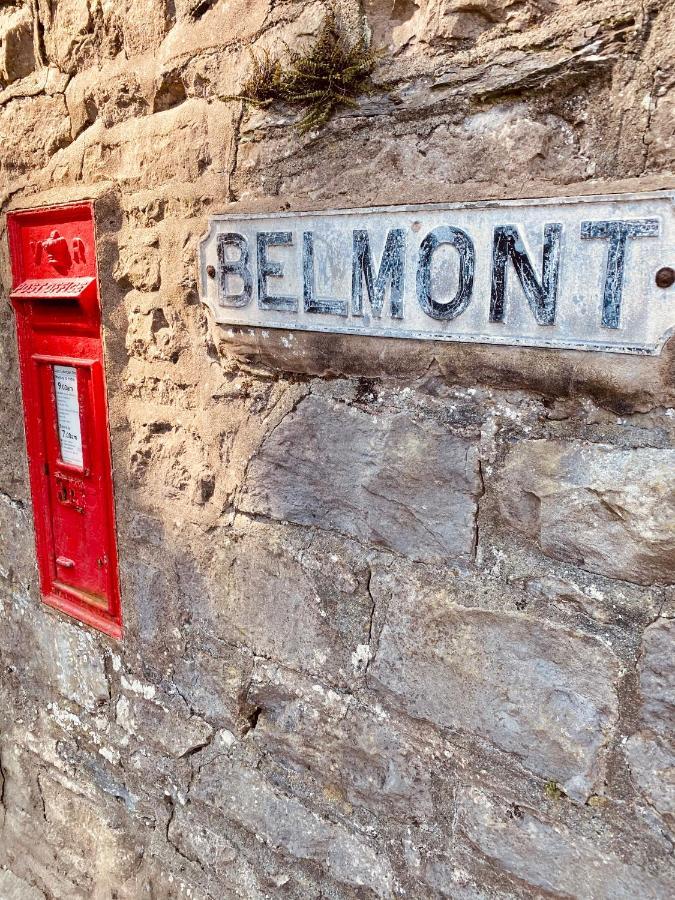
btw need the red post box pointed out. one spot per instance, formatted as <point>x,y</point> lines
<point>58,315</point>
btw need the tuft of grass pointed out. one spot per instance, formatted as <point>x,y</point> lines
<point>329,75</point>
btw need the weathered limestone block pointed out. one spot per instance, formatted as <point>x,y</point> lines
<point>171,728</point>
<point>307,618</point>
<point>71,663</point>
<point>651,750</point>
<point>17,58</point>
<point>245,798</point>
<point>609,511</point>
<point>549,857</point>
<point>14,888</point>
<point>385,480</point>
<point>540,692</point>
<point>352,754</point>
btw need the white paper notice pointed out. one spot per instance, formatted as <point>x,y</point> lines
<point>68,414</point>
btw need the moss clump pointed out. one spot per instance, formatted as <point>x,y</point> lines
<point>332,73</point>
<point>553,791</point>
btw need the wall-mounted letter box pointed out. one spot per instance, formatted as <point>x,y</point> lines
<point>56,300</point>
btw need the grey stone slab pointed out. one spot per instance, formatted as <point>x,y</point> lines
<point>651,749</point>
<point>552,859</point>
<point>386,480</point>
<point>541,692</point>
<point>609,511</point>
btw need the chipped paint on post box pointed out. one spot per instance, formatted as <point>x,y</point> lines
<point>573,273</point>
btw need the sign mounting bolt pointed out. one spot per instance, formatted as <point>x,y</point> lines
<point>665,277</point>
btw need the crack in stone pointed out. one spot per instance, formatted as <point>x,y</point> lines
<point>12,502</point>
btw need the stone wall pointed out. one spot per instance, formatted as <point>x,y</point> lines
<point>397,615</point>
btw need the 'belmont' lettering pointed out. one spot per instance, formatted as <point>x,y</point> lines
<point>268,269</point>
<point>617,233</point>
<point>508,244</point>
<point>392,267</point>
<point>314,304</point>
<point>463,244</point>
<point>239,267</point>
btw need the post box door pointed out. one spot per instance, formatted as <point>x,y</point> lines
<point>74,486</point>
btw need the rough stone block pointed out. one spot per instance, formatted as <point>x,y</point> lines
<point>174,733</point>
<point>385,480</point>
<point>543,693</point>
<point>609,511</point>
<point>352,754</point>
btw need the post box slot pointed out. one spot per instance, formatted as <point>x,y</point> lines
<point>51,289</point>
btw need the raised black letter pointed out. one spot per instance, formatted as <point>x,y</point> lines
<point>238,267</point>
<point>267,268</point>
<point>392,266</point>
<point>617,233</point>
<point>460,240</point>
<point>541,297</point>
<point>316,304</point>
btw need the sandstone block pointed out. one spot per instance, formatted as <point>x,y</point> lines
<point>145,25</point>
<point>138,267</point>
<point>651,750</point>
<point>385,480</point>
<point>151,150</point>
<point>68,27</point>
<point>33,129</point>
<point>17,58</point>
<point>543,693</point>
<point>609,511</point>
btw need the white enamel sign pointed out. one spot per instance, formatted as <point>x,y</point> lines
<point>578,272</point>
<point>68,414</point>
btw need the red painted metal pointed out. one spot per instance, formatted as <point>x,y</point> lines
<point>58,316</point>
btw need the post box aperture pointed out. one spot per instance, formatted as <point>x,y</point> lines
<point>57,304</point>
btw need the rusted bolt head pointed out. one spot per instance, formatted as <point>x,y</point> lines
<point>211,271</point>
<point>665,277</point>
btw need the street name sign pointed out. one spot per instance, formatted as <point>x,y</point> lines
<point>585,273</point>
